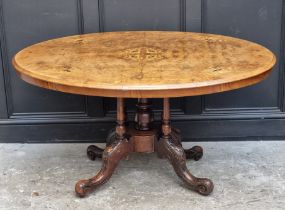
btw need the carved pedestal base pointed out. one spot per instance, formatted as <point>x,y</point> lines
<point>143,138</point>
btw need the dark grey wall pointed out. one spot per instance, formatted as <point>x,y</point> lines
<point>28,113</point>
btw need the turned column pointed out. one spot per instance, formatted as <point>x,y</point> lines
<point>144,115</point>
<point>166,128</point>
<point>143,136</point>
<point>120,127</point>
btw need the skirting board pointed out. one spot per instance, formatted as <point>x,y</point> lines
<point>211,130</point>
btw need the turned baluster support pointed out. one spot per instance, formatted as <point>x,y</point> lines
<point>144,115</point>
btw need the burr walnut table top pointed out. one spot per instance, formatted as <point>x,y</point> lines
<point>144,64</point>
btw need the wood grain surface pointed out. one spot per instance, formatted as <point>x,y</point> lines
<point>144,64</point>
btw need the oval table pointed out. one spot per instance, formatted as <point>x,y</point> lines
<point>144,65</point>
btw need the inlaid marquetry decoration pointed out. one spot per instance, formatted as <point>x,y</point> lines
<point>144,64</point>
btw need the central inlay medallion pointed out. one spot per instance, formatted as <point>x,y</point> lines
<point>143,54</point>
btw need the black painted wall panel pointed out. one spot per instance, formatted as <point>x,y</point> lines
<point>3,107</point>
<point>90,12</point>
<point>255,20</point>
<point>31,114</point>
<point>28,22</point>
<point>141,15</point>
<point>193,15</point>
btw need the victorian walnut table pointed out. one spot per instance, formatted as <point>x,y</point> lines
<point>144,65</point>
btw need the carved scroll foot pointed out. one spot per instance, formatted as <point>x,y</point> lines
<point>111,157</point>
<point>94,152</point>
<point>177,157</point>
<point>195,153</point>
